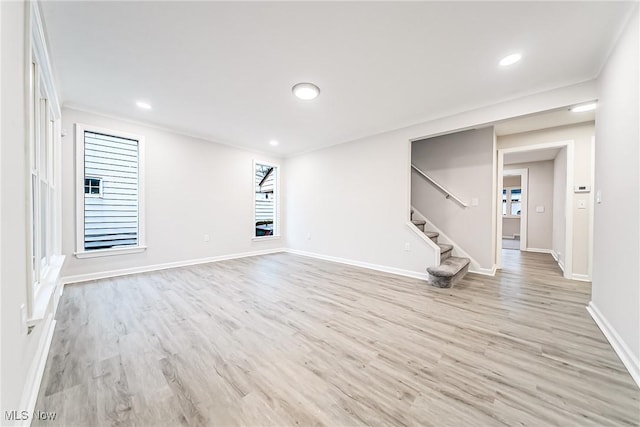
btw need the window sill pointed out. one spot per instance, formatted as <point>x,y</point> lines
<point>110,252</point>
<point>261,238</point>
<point>511,216</point>
<point>45,290</point>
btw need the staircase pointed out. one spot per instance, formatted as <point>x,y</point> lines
<point>451,268</point>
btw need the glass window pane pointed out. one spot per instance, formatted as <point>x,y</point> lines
<point>44,194</point>
<point>516,208</point>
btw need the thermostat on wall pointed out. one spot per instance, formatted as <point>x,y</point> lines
<point>582,189</point>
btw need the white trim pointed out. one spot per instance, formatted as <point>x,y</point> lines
<point>265,238</point>
<point>569,144</point>
<point>592,206</point>
<point>433,245</point>
<point>276,206</point>
<point>623,351</point>
<point>542,251</point>
<point>36,371</point>
<point>581,277</point>
<point>474,266</point>
<point>80,129</point>
<point>495,232</point>
<point>484,271</point>
<point>155,267</point>
<point>41,53</point>
<point>110,252</point>
<point>370,266</point>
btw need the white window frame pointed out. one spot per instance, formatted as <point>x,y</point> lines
<point>508,189</point>
<point>100,187</point>
<point>276,206</point>
<point>79,144</point>
<point>44,266</point>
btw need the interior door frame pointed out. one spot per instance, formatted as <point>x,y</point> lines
<point>568,249</point>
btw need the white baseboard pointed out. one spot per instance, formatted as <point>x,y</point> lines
<point>554,254</point>
<point>581,277</point>
<point>483,271</point>
<point>36,370</point>
<point>144,269</point>
<point>619,346</point>
<point>377,267</point>
<point>540,251</point>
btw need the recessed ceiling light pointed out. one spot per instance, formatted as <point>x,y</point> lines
<point>273,142</point>
<point>306,91</point>
<point>510,59</point>
<point>143,105</point>
<point>584,107</point>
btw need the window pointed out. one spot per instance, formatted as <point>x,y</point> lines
<point>93,187</point>
<point>110,203</point>
<point>43,146</point>
<point>266,200</point>
<point>512,201</point>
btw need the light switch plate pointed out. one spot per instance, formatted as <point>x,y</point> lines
<point>540,209</point>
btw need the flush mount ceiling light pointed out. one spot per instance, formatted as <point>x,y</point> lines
<point>510,59</point>
<point>306,91</point>
<point>273,142</point>
<point>143,105</point>
<point>584,107</point>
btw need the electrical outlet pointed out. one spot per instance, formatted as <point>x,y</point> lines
<point>407,247</point>
<point>474,201</point>
<point>205,238</point>
<point>582,204</point>
<point>308,236</point>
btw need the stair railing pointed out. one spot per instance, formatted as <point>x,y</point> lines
<point>447,193</point>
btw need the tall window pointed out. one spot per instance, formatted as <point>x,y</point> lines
<point>266,204</point>
<point>43,196</point>
<point>109,191</point>
<point>512,201</point>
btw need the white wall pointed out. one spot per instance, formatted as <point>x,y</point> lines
<point>366,209</point>
<point>540,193</point>
<point>461,162</point>
<point>616,279</point>
<point>19,350</point>
<point>352,201</point>
<point>560,209</point>
<point>192,187</point>
<point>582,135</point>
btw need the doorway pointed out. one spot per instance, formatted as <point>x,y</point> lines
<point>558,225</point>
<point>514,208</point>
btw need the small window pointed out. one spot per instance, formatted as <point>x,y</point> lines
<point>266,207</point>
<point>93,187</point>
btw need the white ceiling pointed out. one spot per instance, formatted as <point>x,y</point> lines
<point>542,121</point>
<point>531,156</point>
<point>224,70</point>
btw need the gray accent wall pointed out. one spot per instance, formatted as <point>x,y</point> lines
<point>462,162</point>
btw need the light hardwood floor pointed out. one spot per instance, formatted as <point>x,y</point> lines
<point>286,340</point>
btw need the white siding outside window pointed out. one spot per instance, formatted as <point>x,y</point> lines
<point>110,206</point>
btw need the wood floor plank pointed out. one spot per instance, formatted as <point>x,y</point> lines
<point>285,340</point>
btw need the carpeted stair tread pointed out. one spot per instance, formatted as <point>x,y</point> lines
<point>432,234</point>
<point>449,267</point>
<point>418,221</point>
<point>444,247</point>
